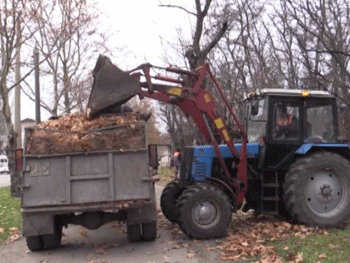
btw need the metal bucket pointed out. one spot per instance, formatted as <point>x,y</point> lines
<point>111,88</point>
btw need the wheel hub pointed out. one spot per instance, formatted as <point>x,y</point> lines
<point>323,191</point>
<point>204,213</point>
<point>326,191</point>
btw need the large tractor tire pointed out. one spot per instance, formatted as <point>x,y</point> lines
<point>317,190</point>
<point>204,211</point>
<point>169,198</point>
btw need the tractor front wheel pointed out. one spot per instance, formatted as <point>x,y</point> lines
<point>204,211</point>
<point>169,198</point>
<point>317,190</point>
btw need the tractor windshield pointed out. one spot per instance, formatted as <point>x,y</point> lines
<point>256,121</point>
<point>319,122</point>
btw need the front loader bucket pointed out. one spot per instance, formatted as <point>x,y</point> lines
<point>111,87</point>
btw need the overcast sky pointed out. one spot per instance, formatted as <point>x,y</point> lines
<point>142,25</point>
<point>142,29</point>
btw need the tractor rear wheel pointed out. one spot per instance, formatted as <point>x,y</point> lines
<point>169,198</point>
<point>317,190</point>
<point>204,211</point>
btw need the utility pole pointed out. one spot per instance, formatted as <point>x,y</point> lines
<point>18,129</point>
<point>37,86</point>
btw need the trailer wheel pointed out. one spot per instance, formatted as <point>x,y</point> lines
<point>169,198</point>
<point>35,243</point>
<point>134,232</point>
<point>53,241</point>
<point>204,211</point>
<point>149,231</point>
<point>317,190</point>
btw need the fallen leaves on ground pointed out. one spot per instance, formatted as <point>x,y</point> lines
<point>189,255</point>
<point>248,237</point>
<point>84,233</point>
<point>322,256</point>
<point>299,258</point>
<point>14,234</point>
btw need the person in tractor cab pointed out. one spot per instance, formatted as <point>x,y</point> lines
<point>286,124</point>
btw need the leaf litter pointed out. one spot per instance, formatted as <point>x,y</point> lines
<point>249,237</point>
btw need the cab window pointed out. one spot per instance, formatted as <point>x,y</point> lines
<point>286,117</point>
<point>257,120</point>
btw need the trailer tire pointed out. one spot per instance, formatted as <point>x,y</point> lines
<point>169,198</point>
<point>204,211</point>
<point>317,190</point>
<point>53,241</point>
<point>134,232</point>
<point>35,243</point>
<point>149,231</point>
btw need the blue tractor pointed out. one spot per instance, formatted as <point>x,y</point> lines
<point>290,160</point>
<point>297,167</point>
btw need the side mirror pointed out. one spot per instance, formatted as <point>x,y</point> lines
<point>254,107</point>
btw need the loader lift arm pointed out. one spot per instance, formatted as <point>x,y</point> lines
<point>198,103</point>
<point>112,87</point>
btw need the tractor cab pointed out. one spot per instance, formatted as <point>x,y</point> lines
<point>283,120</point>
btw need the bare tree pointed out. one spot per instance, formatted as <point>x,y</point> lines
<point>321,30</point>
<point>68,42</point>
<point>12,12</point>
<point>181,129</point>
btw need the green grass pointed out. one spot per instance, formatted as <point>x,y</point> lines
<point>334,247</point>
<point>10,213</point>
<point>165,174</point>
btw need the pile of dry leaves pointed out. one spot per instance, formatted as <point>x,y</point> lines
<point>78,133</point>
<point>248,237</point>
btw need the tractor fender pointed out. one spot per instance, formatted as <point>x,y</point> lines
<point>226,188</point>
<point>340,148</point>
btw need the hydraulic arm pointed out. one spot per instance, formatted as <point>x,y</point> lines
<point>188,93</point>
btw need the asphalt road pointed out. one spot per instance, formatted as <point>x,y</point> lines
<point>109,244</point>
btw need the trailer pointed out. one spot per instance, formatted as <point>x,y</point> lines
<point>88,189</point>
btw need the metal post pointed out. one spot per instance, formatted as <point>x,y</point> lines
<point>18,129</point>
<point>37,85</point>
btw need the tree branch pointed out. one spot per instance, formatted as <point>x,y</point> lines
<point>216,39</point>
<point>179,7</point>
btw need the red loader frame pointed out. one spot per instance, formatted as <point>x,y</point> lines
<point>198,103</point>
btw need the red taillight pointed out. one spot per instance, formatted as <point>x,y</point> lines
<point>19,159</point>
